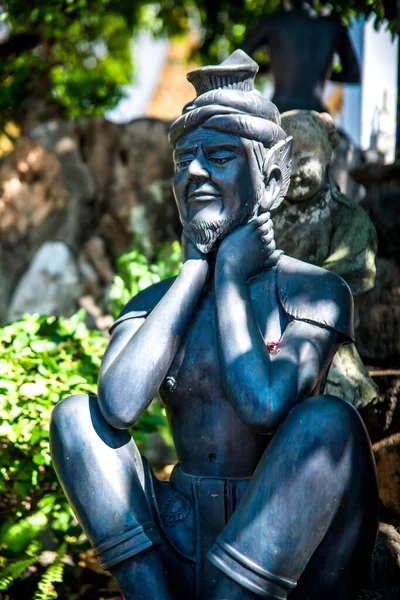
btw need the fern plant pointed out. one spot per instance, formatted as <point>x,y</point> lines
<point>12,569</point>
<point>52,575</point>
<point>135,272</point>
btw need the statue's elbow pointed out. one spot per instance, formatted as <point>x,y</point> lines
<point>115,418</point>
<point>119,412</point>
<point>262,419</point>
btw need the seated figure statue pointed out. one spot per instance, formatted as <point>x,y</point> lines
<point>316,222</point>
<point>275,493</point>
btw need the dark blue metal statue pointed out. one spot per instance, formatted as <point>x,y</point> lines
<point>275,493</point>
<point>302,47</point>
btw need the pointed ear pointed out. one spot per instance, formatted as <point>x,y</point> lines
<point>279,158</point>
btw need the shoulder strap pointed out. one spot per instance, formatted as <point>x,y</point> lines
<point>143,303</point>
<point>309,293</point>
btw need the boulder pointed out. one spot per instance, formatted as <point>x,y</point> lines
<point>93,185</point>
<point>33,207</point>
<point>382,415</point>
<point>378,316</point>
<point>130,171</point>
<point>349,379</point>
<point>384,577</point>
<point>50,286</point>
<point>382,183</point>
<point>387,458</point>
<point>378,329</point>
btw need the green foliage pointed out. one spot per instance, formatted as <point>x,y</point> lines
<point>11,570</point>
<point>73,55</point>
<point>52,575</point>
<point>226,24</point>
<point>136,272</point>
<point>42,360</point>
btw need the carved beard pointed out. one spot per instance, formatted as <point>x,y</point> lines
<point>205,234</point>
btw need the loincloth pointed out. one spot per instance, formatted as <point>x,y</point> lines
<point>191,512</point>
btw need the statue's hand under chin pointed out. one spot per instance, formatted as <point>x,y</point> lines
<point>246,250</point>
<point>190,251</point>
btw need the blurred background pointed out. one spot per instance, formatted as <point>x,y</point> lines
<point>88,89</point>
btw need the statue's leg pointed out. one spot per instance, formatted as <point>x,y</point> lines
<point>306,525</point>
<point>101,472</point>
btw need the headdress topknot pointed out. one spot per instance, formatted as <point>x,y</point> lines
<point>228,101</point>
<point>237,72</point>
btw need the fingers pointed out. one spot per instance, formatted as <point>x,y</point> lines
<point>263,218</point>
<point>270,250</point>
<point>264,229</point>
<point>268,237</point>
<point>264,224</point>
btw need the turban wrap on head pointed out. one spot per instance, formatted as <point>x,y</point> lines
<point>227,101</point>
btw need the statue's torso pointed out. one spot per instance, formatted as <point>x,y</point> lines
<point>302,51</point>
<point>210,439</point>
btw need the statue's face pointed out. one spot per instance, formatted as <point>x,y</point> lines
<point>308,171</point>
<point>215,185</point>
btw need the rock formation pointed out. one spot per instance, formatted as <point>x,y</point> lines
<point>92,185</point>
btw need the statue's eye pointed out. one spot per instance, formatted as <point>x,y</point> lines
<point>221,160</point>
<point>183,164</point>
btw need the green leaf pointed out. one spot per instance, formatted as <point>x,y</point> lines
<point>17,536</point>
<point>32,390</point>
<point>43,346</point>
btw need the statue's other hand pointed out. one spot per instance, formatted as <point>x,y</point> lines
<point>247,249</point>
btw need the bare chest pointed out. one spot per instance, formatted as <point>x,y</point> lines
<point>195,371</point>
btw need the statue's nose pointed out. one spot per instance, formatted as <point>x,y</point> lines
<point>197,170</point>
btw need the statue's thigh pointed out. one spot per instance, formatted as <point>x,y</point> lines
<point>341,560</point>
<point>99,467</point>
<point>309,514</point>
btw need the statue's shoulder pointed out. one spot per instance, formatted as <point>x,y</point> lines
<point>310,293</point>
<point>143,303</point>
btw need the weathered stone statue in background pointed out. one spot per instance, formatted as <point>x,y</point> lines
<point>302,46</point>
<point>275,492</point>
<point>318,224</point>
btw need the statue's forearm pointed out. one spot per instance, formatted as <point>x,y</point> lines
<point>131,381</point>
<point>245,362</point>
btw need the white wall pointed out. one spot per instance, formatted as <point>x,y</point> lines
<point>149,56</point>
<point>352,94</point>
<point>379,80</point>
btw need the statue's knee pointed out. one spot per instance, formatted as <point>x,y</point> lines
<point>69,418</point>
<point>330,418</point>
<point>72,408</point>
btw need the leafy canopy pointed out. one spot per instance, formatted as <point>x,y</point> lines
<point>74,56</point>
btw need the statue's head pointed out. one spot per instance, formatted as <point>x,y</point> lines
<point>232,158</point>
<point>314,138</point>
